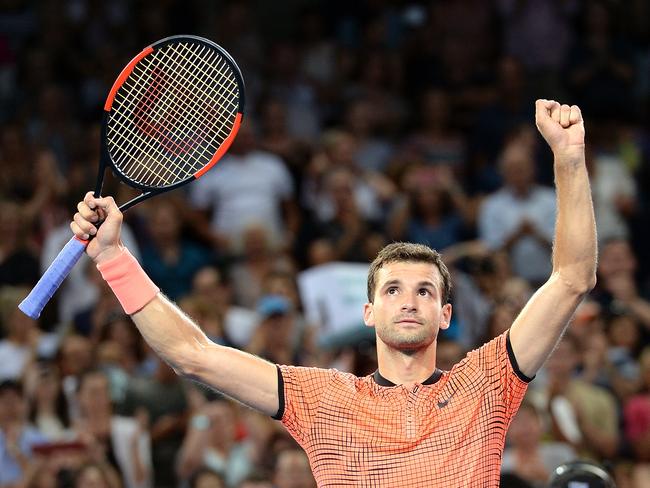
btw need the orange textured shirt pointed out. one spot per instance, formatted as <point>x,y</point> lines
<point>447,432</point>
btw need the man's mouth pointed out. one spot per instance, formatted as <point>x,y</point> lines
<point>407,320</point>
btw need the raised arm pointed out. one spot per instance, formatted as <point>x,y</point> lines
<point>541,323</point>
<point>174,337</point>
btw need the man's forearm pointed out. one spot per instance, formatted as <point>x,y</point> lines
<point>574,250</point>
<point>169,332</point>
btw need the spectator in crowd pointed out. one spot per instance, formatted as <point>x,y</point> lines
<point>286,83</point>
<point>625,339</point>
<point>527,455</point>
<point>206,478</point>
<point>165,400</point>
<point>125,351</point>
<point>436,141</point>
<point>74,357</point>
<point>538,34</point>
<point>347,229</point>
<point>48,410</point>
<point>96,475</point>
<point>211,441</point>
<point>275,137</point>
<point>637,413</point>
<point>211,287</point>
<point>18,263</point>
<point>275,336</point>
<point>292,470</point>
<point>258,256</point>
<point>168,256</point>
<point>510,110</point>
<point>520,217</point>
<point>17,437</point>
<point>582,414</point>
<point>122,442</point>
<point>613,187</point>
<point>249,186</point>
<point>601,65</point>
<point>617,290</point>
<point>24,341</point>
<point>256,481</point>
<point>432,212</point>
<point>372,191</point>
<point>362,121</point>
<point>304,335</point>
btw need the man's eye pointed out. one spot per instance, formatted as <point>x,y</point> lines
<point>392,291</point>
<point>424,292</point>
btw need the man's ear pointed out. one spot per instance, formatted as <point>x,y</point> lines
<point>368,315</point>
<point>445,316</point>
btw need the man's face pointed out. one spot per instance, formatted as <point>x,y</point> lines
<point>12,406</point>
<point>518,169</point>
<point>616,258</point>
<point>407,311</point>
<point>93,394</point>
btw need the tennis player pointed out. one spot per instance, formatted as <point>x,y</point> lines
<point>408,424</point>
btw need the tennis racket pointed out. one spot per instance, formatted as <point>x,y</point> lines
<point>170,116</point>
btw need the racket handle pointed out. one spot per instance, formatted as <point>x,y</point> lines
<point>33,304</point>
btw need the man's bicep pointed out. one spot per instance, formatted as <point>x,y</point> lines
<point>240,375</point>
<point>538,328</point>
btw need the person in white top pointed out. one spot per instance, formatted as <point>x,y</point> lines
<point>520,217</point>
<point>247,187</point>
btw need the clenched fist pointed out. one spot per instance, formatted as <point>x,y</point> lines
<point>561,125</point>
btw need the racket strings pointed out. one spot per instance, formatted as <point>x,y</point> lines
<point>193,118</point>
<point>199,124</point>
<point>164,103</point>
<point>172,114</point>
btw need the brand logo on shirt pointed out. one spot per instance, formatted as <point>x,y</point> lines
<point>443,403</point>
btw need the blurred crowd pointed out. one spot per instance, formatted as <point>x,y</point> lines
<point>366,122</point>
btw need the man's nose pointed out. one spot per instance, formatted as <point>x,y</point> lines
<point>409,306</point>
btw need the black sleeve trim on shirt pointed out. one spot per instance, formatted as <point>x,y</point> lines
<point>280,413</point>
<point>513,362</point>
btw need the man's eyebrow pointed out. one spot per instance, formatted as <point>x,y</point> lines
<point>391,283</point>
<point>426,283</point>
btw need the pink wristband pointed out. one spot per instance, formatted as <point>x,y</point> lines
<point>131,285</point>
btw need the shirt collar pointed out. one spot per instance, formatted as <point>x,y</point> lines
<point>381,381</point>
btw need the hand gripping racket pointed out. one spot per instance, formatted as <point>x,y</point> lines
<point>170,116</point>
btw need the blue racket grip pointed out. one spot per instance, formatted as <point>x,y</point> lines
<point>33,304</point>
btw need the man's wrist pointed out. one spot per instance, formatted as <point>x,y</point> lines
<point>570,154</point>
<point>108,254</point>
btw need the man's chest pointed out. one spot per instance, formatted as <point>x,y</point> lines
<point>403,417</point>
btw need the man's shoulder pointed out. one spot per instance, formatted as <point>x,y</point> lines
<point>482,356</point>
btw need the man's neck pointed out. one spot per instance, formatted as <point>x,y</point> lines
<point>406,368</point>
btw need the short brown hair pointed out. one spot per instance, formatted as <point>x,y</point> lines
<point>407,252</point>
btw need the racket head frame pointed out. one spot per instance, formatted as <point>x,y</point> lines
<point>106,160</point>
